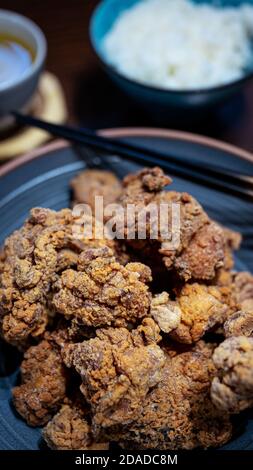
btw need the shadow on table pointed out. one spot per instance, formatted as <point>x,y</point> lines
<point>100,104</point>
<point>10,359</point>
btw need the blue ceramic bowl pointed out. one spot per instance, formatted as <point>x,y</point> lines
<point>158,100</point>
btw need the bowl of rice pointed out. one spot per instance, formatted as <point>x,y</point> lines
<point>175,55</point>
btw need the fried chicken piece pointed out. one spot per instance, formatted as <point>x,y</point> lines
<point>232,389</point>
<point>201,309</point>
<point>91,183</point>
<point>102,292</point>
<point>25,320</point>
<point>31,255</point>
<point>178,412</point>
<point>201,248</point>
<point>32,259</point>
<point>117,369</point>
<point>69,430</point>
<point>165,312</point>
<point>43,387</point>
<point>204,254</point>
<point>239,324</point>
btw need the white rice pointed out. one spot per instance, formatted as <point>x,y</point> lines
<point>177,44</point>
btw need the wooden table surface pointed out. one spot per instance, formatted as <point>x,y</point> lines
<point>92,99</point>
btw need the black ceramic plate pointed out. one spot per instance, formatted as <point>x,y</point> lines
<point>42,179</point>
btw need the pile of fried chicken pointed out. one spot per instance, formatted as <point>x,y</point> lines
<point>127,341</point>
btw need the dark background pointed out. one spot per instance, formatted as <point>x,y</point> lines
<point>92,99</point>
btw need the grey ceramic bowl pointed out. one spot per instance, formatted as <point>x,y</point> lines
<point>16,95</point>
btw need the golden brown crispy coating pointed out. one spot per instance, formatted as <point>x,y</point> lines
<point>43,385</point>
<point>140,188</point>
<point>165,312</point>
<point>232,389</point>
<point>236,290</point>
<point>87,304</point>
<point>224,276</point>
<point>232,241</point>
<point>201,250</point>
<point>31,263</point>
<point>70,430</point>
<point>24,320</point>
<point>90,183</point>
<point>224,280</point>
<point>204,254</point>
<point>143,272</point>
<point>117,369</point>
<point>243,291</point>
<point>103,292</point>
<point>178,412</point>
<point>192,219</point>
<point>33,258</point>
<point>201,309</point>
<point>239,324</point>
<point>145,187</point>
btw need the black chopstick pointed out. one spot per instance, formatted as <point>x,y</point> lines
<point>123,148</point>
<point>212,176</point>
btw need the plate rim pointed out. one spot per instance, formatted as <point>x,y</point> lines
<point>121,132</point>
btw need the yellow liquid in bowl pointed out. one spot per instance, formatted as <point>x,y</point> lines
<point>15,58</point>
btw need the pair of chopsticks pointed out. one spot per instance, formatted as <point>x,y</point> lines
<point>213,176</point>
